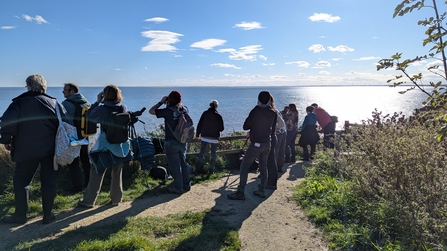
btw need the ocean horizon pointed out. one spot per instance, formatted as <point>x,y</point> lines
<point>348,103</point>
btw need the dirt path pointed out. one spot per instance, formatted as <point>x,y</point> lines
<point>272,223</point>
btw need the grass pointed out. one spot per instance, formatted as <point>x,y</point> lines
<point>187,231</point>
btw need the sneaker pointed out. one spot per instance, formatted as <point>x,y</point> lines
<point>236,196</point>
<point>259,193</point>
<point>82,204</point>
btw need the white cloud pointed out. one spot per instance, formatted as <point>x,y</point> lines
<point>325,73</point>
<point>244,53</point>
<point>337,59</point>
<point>316,48</point>
<point>38,19</point>
<point>322,37</point>
<point>366,58</point>
<point>208,44</point>
<point>248,25</point>
<point>277,77</point>
<point>226,66</point>
<point>161,40</point>
<point>7,27</point>
<point>271,64</point>
<point>322,63</point>
<point>302,64</point>
<point>316,17</point>
<point>340,48</point>
<point>117,69</point>
<point>262,57</point>
<point>156,20</point>
<point>178,56</point>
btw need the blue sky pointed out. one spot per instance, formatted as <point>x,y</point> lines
<point>212,43</point>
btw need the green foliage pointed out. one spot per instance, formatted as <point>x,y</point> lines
<point>435,35</point>
<point>383,188</point>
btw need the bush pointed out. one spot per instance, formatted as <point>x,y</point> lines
<point>390,172</point>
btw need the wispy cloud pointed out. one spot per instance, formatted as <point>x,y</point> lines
<point>118,69</point>
<point>262,57</point>
<point>316,48</point>
<point>302,64</point>
<point>208,44</point>
<point>156,20</point>
<point>161,40</point>
<point>340,48</point>
<point>271,64</point>
<point>366,58</point>
<point>317,17</point>
<point>277,77</point>
<point>325,73</point>
<point>7,27</point>
<point>226,66</point>
<point>38,19</point>
<point>248,25</point>
<point>322,63</point>
<point>244,53</point>
<point>337,59</point>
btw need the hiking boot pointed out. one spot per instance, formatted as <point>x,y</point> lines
<point>236,196</point>
<point>84,205</point>
<point>14,219</point>
<point>260,193</point>
<point>48,219</point>
<point>270,187</point>
<point>174,191</point>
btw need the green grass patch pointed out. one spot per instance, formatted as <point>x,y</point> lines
<point>185,231</point>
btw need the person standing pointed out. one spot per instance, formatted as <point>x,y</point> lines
<point>174,149</point>
<point>208,129</point>
<point>281,137</point>
<point>309,134</point>
<point>28,129</point>
<point>110,99</point>
<point>327,125</point>
<point>261,122</point>
<point>291,120</point>
<point>74,102</point>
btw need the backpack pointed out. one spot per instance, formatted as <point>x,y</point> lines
<point>83,125</point>
<point>184,130</point>
<point>117,127</point>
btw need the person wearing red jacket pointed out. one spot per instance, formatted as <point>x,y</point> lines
<point>326,124</point>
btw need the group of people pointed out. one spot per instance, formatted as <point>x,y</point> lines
<point>31,117</point>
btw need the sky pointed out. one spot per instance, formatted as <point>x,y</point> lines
<point>206,42</point>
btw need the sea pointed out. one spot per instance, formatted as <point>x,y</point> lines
<point>349,103</point>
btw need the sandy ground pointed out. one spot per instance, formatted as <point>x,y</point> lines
<point>272,223</point>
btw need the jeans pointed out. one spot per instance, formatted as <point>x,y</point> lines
<point>290,145</point>
<point>280,149</point>
<point>203,146</point>
<point>250,155</point>
<point>176,158</point>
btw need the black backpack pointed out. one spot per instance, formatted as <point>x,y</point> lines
<point>83,125</point>
<point>117,127</point>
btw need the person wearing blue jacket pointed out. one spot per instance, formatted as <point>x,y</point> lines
<point>309,134</point>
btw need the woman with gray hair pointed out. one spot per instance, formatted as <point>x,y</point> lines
<point>28,129</point>
<point>208,129</point>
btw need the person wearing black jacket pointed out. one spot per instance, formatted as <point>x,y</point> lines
<point>262,125</point>
<point>28,129</point>
<point>208,129</point>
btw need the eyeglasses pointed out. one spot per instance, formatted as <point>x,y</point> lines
<point>65,90</point>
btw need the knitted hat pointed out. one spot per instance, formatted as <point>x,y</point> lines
<point>314,105</point>
<point>264,97</point>
<point>174,98</point>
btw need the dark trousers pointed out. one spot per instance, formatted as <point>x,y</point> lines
<point>74,170</point>
<point>23,175</point>
<point>306,151</point>
<point>290,145</point>
<point>329,132</point>
<point>262,151</point>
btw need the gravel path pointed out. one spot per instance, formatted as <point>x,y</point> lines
<point>272,223</point>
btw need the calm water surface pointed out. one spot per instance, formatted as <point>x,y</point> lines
<point>352,103</point>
